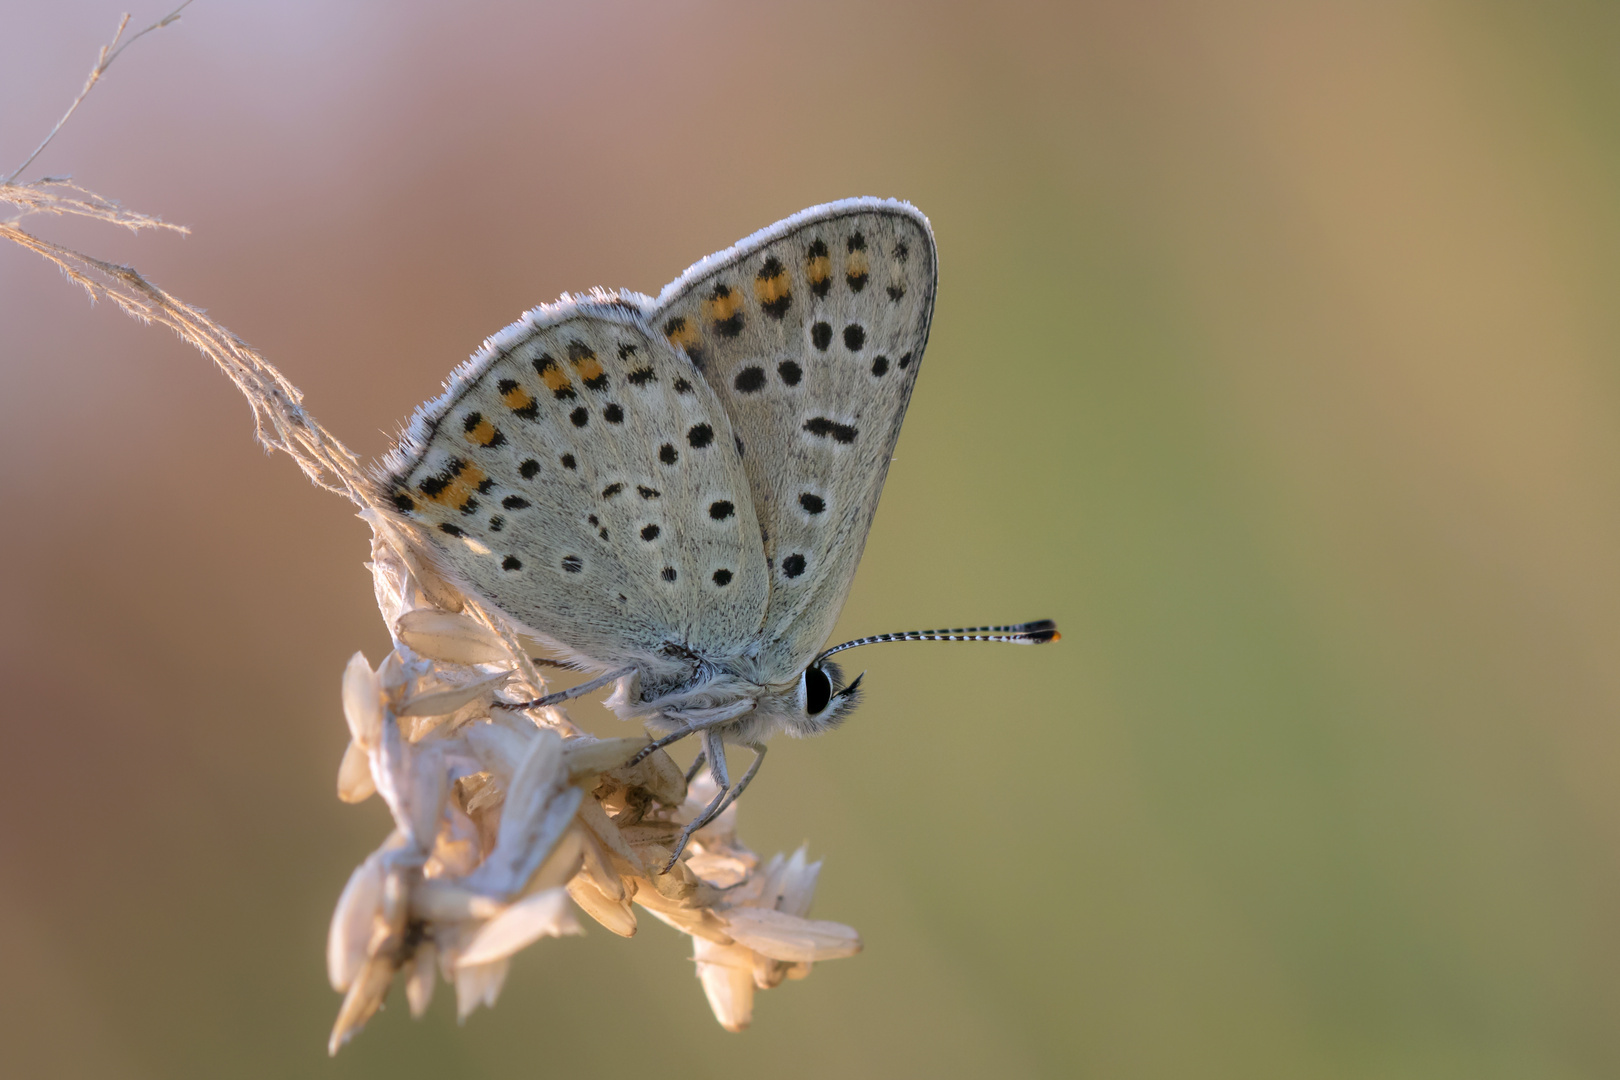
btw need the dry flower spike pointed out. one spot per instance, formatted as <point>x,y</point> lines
<point>505,822</point>
<point>503,827</point>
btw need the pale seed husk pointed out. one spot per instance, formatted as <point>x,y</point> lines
<point>355,784</point>
<point>446,701</point>
<point>726,972</point>
<point>656,773</point>
<point>440,592</point>
<point>364,998</point>
<point>442,901</point>
<point>598,868</point>
<point>362,701</point>
<point>617,915</point>
<point>790,938</point>
<point>420,979</point>
<point>699,922</point>
<point>565,860</point>
<point>538,915</point>
<point>587,757</point>
<point>354,920</point>
<point>607,834</point>
<point>499,749</point>
<point>455,639</point>
<point>478,984</point>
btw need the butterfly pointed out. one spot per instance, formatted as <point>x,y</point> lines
<point>674,493</point>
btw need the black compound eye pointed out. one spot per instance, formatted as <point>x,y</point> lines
<point>817,690</point>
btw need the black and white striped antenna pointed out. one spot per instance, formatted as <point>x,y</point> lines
<point>1030,633</point>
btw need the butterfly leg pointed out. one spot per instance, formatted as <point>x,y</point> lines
<point>716,717</point>
<point>714,749</point>
<point>736,792</point>
<point>697,763</point>
<point>567,695</point>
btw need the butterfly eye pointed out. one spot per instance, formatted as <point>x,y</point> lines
<point>815,690</point>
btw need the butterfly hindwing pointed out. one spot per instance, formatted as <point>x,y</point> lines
<point>580,475</point>
<point>811,334</point>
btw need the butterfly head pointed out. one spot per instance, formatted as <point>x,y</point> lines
<point>821,700</point>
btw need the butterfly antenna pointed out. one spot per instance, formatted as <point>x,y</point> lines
<point>1030,633</point>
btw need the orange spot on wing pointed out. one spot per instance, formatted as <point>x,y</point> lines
<point>722,307</point>
<point>683,334</point>
<point>554,379</point>
<point>589,367</point>
<point>517,398</point>
<point>483,434</point>
<point>770,290</point>
<point>855,265</point>
<point>463,486</point>
<point>818,269</point>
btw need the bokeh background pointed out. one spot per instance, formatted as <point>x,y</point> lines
<point>1275,357</point>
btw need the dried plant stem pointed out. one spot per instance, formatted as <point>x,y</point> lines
<point>109,52</point>
<point>279,417</point>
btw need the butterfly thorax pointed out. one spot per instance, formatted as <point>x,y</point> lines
<point>746,711</point>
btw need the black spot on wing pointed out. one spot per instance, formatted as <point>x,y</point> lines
<point>822,427</point>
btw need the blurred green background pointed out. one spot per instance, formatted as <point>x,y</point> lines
<point>1275,358</point>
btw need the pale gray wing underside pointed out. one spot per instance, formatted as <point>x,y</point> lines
<point>582,477</point>
<point>811,334</point>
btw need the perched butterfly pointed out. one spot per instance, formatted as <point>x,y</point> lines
<point>675,493</point>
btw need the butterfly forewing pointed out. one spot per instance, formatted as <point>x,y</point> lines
<point>580,475</point>
<point>811,335</point>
